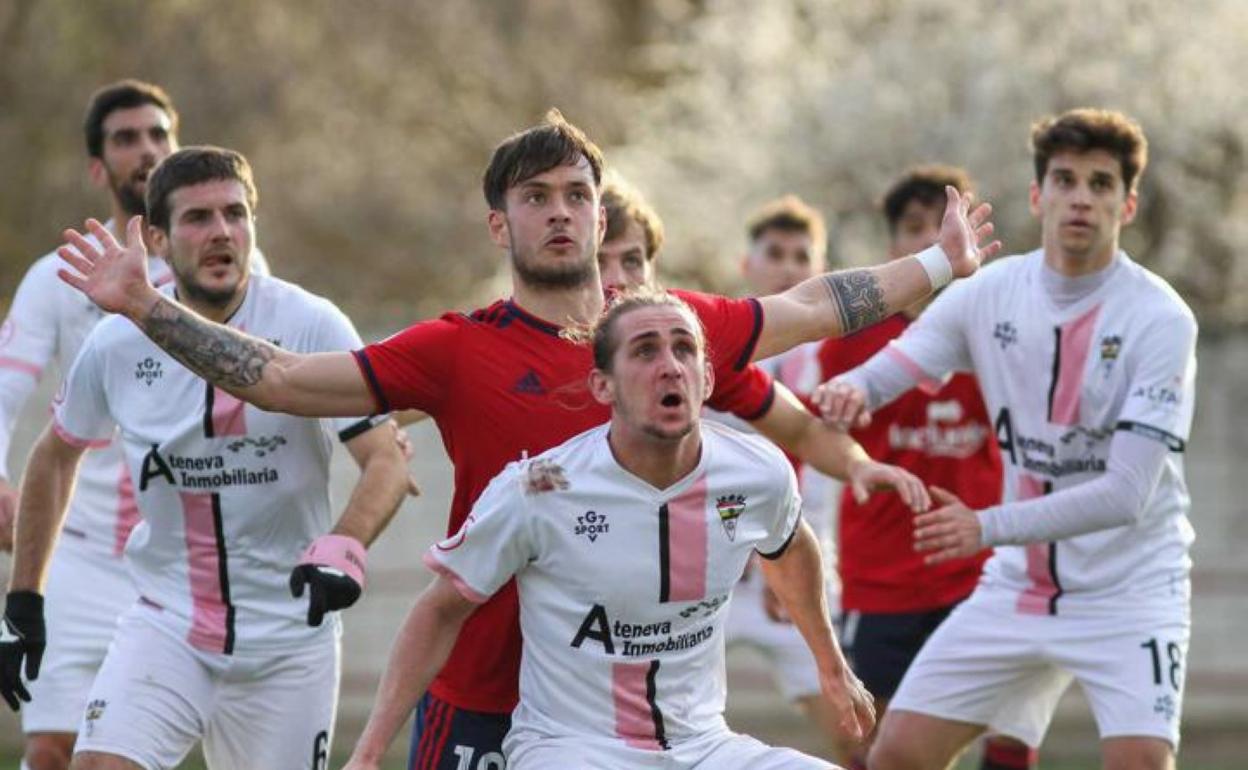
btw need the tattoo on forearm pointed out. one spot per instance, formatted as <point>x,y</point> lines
<point>217,353</point>
<point>858,298</point>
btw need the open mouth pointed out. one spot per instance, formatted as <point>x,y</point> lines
<point>672,400</point>
<point>217,260</point>
<point>560,240</point>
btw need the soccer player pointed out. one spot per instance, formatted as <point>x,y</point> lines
<point>130,126</point>
<point>633,237</point>
<point>1087,363</point>
<point>891,600</point>
<point>234,504</point>
<point>625,543</point>
<point>501,382</point>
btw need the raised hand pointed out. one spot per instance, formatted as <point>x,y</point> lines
<point>869,475</point>
<point>963,233</point>
<point>842,405</point>
<point>952,531</point>
<point>113,275</point>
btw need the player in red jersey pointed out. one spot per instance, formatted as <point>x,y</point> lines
<point>892,601</point>
<point>501,381</point>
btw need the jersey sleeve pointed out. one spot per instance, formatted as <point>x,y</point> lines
<point>494,543</point>
<point>935,345</point>
<point>28,340</point>
<point>80,413</point>
<point>413,369</point>
<point>335,332</point>
<point>732,329</point>
<point>783,518</point>
<point>1162,383</point>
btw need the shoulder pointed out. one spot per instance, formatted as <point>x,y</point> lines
<point>750,452</point>
<point>114,335</point>
<point>1153,296</point>
<point>276,292</point>
<point>41,276</point>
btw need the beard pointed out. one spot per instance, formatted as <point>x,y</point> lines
<point>194,290</point>
<point>560,276</point>
<point>130,198</point>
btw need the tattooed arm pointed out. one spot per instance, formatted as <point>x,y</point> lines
<point>835,304</point>
<point>114,276</point>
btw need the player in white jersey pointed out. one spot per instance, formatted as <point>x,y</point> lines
<point>1087,363</point>
<point>130,126</point>
<point>232,498</point>
<point>626,542</point>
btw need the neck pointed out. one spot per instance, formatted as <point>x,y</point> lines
<point>561,306</point>
<point>213,312</point>
<point>1074,265</point>
<point>658,462</point>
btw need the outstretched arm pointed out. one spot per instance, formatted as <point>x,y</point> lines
<point>114,276</point>
<point>420,650</point>
<point>796,576</point>
<point>835,304</point>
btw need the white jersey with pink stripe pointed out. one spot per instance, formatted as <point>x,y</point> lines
<point>46,326</point>
<point>1060,377</point>
<point>623,587</point>
<point>230,495</point>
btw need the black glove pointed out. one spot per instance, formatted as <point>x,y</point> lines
<point>330,589</point>
<point>22,635</point>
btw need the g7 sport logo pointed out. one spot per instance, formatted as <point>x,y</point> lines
<point>148,370</point>
<point>730,508</point>
<point>591,524</point>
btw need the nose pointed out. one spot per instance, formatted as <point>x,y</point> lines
<point>559,211</point>
<point>612,276</point>
<point>220,227</point>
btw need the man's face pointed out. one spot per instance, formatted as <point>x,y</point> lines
<point>622,262</point>
<point>778,260</point>
<point>1082,204</point>
<point>917,228</point>
<point>659,377</point>
<point>135,140</point>
<point>208,246</point>
<point>552,227</point>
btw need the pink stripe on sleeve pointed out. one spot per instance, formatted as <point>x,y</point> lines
<point>634,721</point>
<point>1034,600</point>
<point>19,365</point>
<point>127,510</point>
<point>687,518</point>
<point>464,589</point>
<point>72,440</point>
<point>922,379</point>
<point>1076,342</point>
<point>208,608</point>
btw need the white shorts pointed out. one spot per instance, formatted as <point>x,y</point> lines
<point>156,696</point>
<point>721,750</point>
<point>85,594</point>
<point>989,665</point>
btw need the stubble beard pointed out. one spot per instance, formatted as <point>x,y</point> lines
<point>557,277</point>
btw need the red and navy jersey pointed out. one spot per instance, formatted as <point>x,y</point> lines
<point>945,438</point>
<point>502,384</point>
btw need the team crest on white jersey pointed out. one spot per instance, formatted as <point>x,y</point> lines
<point>148,370</point>
<point>730,508</point>
<point>1111,346</point>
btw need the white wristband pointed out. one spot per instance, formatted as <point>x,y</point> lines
<point>936,265</point>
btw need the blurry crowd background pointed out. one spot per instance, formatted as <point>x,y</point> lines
<point>369,123</point>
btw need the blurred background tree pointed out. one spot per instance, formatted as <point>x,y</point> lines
<point>369,122</point>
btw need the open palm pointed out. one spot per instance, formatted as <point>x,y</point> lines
<point>112,274</point>
<point>963,232</point>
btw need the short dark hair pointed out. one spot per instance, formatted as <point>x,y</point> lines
<point>600,335</point>
<point>1085,129</point>
<point>624,204</point>
<point>192,166</point>
<point>553,142</point>
<point>789,214</point>
<point>122,95</point>
<point>925,184</point>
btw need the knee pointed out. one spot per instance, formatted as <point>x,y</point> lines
<point>889,753</point>
<point>1138,754</point>
<point>48,752</point>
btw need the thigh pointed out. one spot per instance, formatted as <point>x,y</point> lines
<point>1132,672</point>
<point>907,739</point>
<point>445,737</point>
<point>732,751</point>
<point>83,598</point>
<point>276,711</point>
<point>148,701</point>
<point>985,669</point>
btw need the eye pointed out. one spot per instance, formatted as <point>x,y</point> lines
<point>535,197</point>
<point>578,196</point>
<point>159,134</point>
<point>632,263</point>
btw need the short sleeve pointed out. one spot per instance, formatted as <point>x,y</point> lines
<point>28,338</point>
<point>1162,378</point>
<point>732,329</point>
<point>413,369</point>
<point>783,519</point>
<point>80,413</point>
<point>494,543</point>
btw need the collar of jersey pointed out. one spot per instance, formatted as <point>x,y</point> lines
<point>528,319</point>
<point>607,457</point>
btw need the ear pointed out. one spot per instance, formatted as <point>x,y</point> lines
<point>1033,197</point>
<point>602,224</point>
<point>97,173</point>
<point>601,387</point>
<point>157,241</point>
<point>708,378</point>
<point>1130,207</point>
<point>500,231</point>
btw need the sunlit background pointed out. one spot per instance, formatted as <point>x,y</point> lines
<point>369,123</point>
